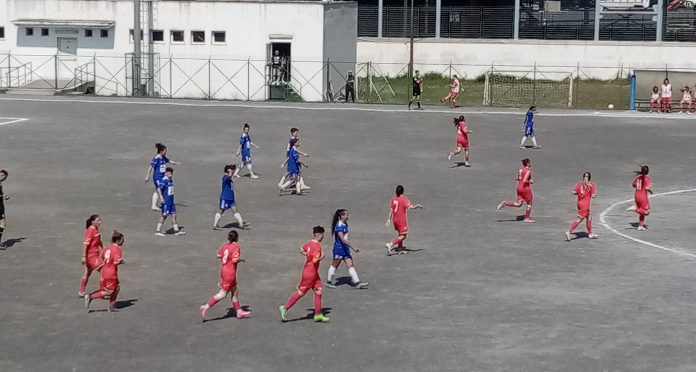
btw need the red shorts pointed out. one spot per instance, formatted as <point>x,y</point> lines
<point>453,95</point>
<point>666,100</point>
<point>108,284</point>
<point>93,263</point>
<point>228,283</point>
<point>642,202</point>
<point>401,227</point>
<point>309,281</point>
<point>584,213</point>
<point>463,142</point>
<point>525,195</point>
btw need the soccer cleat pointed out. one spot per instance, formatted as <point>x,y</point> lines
<point>216,227</point>
<point>467,164</point>
<point>330,284</point>
<point>203,311</point>
<point>241,314</point>
<point>180,232</point>
<point>81,294</point>
<point>501,206</point>
<point>158,233</point>
<point>528,220</point>
<point>88,300</point>
<point>110,307</point>
<point>631,208</point>
<point>449,157</point>
<point>592,236</point>
<point>536,147</point>
<point>389,248</point>
<point>253,176</point>
<point>320,318</point>
<point>567,236</point>
<point>283,313</point>
<point>361,285</point>
<point>154,208</point>
<point>522,147</point>
<point>305,187</point>
<point>641,228</point>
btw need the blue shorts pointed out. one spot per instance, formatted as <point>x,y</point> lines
<point>168,209</point>
<point>529,131</point>
<point>246,156</point>
<point>226,204</point>
<point>341,253</point>
<point>155,182</point>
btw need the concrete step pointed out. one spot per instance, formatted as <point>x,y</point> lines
<point>31,92</point>
<point>48,84</point>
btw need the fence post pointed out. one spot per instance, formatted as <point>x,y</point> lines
<point>209,76</point>
<point>171,67</point>
<point>577,86</point>
<point>55,69</point>
<point>534,85</point>
<point>632,98</point>
<point>516,17</point>
<point>328,80</point>
<point>248,79</point>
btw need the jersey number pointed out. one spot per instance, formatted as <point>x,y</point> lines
<point>170,190</point>
<point>395,206</point>
<point>162,168</point>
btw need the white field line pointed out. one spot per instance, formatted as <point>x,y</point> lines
<point>6,121</point>
<point>603,221</point>
<point>362,108</point>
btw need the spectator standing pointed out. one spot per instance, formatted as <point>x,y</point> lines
<point>350,86</point>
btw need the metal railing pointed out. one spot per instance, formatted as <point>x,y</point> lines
<point>15,77</point>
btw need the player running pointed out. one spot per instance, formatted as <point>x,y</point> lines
<point>585,191</point>
<point>524,191</point>
<point>453,93</point>
<point>341,250</point>
<point>3,197</point>
<point>462,140</point>
<point>92,250</point>
<point>310,277</point>
<point>417,91</point>
<point>227,200</point>
<point>529,128</point>
<point>112,256</point>
<point>245,145</point>
<point>398,213</point>
<point>166,194</point>
<point>157,168</point>
<point>643,185</point>
<point>230,255</point>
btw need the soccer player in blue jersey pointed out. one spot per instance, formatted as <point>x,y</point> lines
<point>529,128</point>
<point>157,168</point>
<point>227,200</point>
<point>245,145</point>
<point>166,194</point>
<point>341,250</point>
<point>294,167</point>
<point>294,134</point>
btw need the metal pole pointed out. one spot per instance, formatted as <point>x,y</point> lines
<point>380,17</point>
<point>438,18</point>
<point>248,78</point>
<point>660,19</point>
<point>55,70</point>
<point>410,61</point>
<point>597,18</point>
<point>150,50</point>
<point>136,48</point>
<point>209,75</point>
<point>516,26</point>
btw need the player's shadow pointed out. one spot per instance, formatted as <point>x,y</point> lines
<point>458,164</point>
<point>231,313</point>
<point>634,225</point>
<point>310,314</point>
<point>117,306</point>
<point>408,251</point>
<point>9,243</point>
<point>579,235</point>
<point>516,219</point>
<point>171,231</point>
<point>344,280</point>
<point>531,147</point>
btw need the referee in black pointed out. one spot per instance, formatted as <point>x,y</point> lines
<point>3,197</point>
<point>417,90</point>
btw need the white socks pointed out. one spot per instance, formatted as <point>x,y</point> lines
<point>251,171</point>
<point>176,227</point>
<point>524,139</point>
<point>239,219</point>
<point>353,275</point>
<point>534,141</point>
<point>159,227</point>
<point>218,216</point>
<point>332,271</point>
<point>155,199</point>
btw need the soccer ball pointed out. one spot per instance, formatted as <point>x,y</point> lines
<point>611,107</point>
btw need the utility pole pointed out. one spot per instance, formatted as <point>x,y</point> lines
<point>410,61</point>
<point>136,48</point>
<point>150,50</point>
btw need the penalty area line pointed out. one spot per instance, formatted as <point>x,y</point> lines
<point>603,222</point>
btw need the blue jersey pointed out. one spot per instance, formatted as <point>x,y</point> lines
<point>159,165</point>
<point>293,161</point>
<point>340,250</point>
<point>289,146</point>
<point>166,185</point>
<point>529,119</point>
<point>227,192</point>
<point>245,142</point>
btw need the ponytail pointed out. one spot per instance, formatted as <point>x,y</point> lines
<point>337,215</point>
<point>91,219</point>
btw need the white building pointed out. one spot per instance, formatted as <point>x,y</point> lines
<point>216,49</point>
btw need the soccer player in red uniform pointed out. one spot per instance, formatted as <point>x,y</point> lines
<point>524,191</point>
<point>585,192</point>
<point>230,255</point>
<point>397,212</point>
<point>112,256</point>
<point>462,140</point>
<point>92,249</point>
<point>310,277</point>
<point>643,185</point>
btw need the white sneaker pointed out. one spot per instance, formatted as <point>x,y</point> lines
<point>593,236</point>
<point>180,232</point>
<point>253,176</point>
<point>467,164</point>
<point>88,300</point>
<point>330,284</point>
<point>449,157</point>
<point>154,208</point>
<point>500,206</point>
<point>159,234</point>
<point>389,248</point>
<point>641,228</point>
<point>305,187</point>
<point>567,236</point>
<point>361,285</point>
<point>631,208</point>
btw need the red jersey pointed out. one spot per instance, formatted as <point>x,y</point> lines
<point>111,256</point>
<point>522,174</point>
<point>312,249</point>
<point>462,129</point>
<point>642,184</point>
<point>229,254</point>
<point>585,195</point>
<point>93,242</point>
<point>399,205</point>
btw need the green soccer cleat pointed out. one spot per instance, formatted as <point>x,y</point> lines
<point>320,318</point>
<point>283,313</point>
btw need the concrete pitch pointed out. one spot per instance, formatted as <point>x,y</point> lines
<point>480,292</point>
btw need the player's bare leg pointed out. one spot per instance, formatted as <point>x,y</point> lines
<point>457,151</point>
<point>241,313</point>
<point>504,204</point>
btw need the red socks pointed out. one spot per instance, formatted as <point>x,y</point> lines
<point>574,225</point>
<point>509,204</point>
<point>317,303</point>
<point>588,223</point>
<point>237,305</point>
<point>292,300</point>
<point>398,241</point>
<point>83,284</point>
<point>96,295</point>
<point>641,220</point>
<point>212,301</point>
<point>113,296</point>
<point>528,213</point>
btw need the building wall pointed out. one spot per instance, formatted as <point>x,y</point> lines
<point>340,31</point>
<point>473,58</point>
